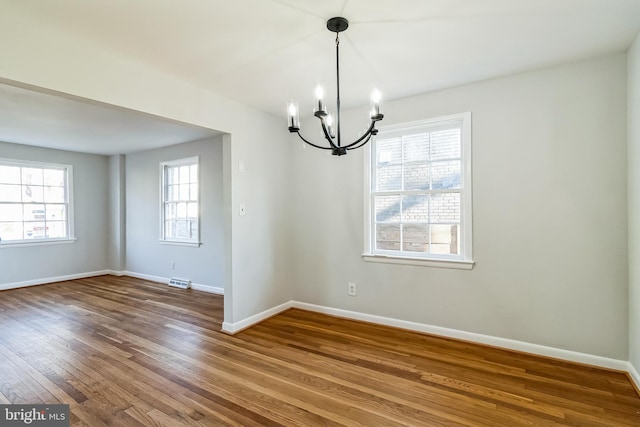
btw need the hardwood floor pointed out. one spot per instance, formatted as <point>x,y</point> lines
<point>127,352</point>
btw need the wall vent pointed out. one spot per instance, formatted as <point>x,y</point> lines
<point>180,283</point>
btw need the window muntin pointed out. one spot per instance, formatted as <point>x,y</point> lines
<point>35,202</point>
<point>420,190</point>
<point>180,211</point>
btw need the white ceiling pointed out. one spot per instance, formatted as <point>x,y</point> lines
<point>265,52</point>
<point>54,121</point>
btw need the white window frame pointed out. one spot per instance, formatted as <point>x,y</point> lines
<point>463,260</point>
<point>195,240</point>
<point>68,185</point>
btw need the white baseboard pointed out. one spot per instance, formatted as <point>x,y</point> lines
<point>44,281</point>
<point>233,328</point>
<point>635,376</point>
<point>115,273</point>
<point>208,288</point>
<point>148,277</point>
<point>525,347</point>
<point>195,286</point>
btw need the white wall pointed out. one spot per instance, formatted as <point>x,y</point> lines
<point>88,253</point>
<point>633,156</point>
<point>145,254</point>
<point>550,216</point>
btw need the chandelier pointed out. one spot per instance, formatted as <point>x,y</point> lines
<point>331,131</point>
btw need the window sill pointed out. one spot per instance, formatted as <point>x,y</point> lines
<point>36,243</point>
<point>437,263</point>
<point>178,243</point>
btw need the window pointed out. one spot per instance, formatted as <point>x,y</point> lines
<point>35,202</point>
<point>180,212</point>
<point>420,193</point>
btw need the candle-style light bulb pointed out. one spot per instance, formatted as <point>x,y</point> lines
<point>376,98</point>
<point>320,98</point>
<point>330,125</point>
<point>293,119</point>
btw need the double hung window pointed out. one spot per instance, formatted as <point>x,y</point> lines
<point>35,202</point>
<point>180,211</point>
<point>420,191</point>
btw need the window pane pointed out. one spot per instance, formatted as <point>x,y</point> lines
<point>32,176</point>
<point>445,207</point>
<point>54,177</point>
<point>193,191</point>
<point>56,229</point>
<point>182,229</point>
<point>193,172</point>
<point>170,229</point>
<point>445,175</point>
<point>444,239</point>
<point>445,144</point>
<point>170,211</point>
<point>387,208</point>
<point>35,230</point>
<point>181,212</point>
<point>415,237</point>
<point>10,193</point>
<point>54,194</point>
<point>32,193</point>
<point>172,175</point>
<point>11,231</point>
<point>56,213</point>
<point>184,174</point>
<point>415,148</point>
<point>172,193</point>
<point>388,237</point>
<point>184,192</point>
<point>9,175</point>
<point>10,212</point>
<point>388,152</point>
<point>34,212</point>
<point>192,211</point>
<point>194,229</point>
<point>416,176</point>
<point>415,208</point>
<point>389,178</point>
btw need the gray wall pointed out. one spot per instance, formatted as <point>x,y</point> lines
<point>144,252</point>
<point>261,247</point>
<point>633,157</point>
<point>91,215</point>
<point>550,215</point>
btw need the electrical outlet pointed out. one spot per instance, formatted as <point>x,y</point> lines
<point>352,289</point>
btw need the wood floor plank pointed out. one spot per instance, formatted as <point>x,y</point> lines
<point>129,352</point>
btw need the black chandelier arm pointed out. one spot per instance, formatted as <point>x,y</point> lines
<point>312,144</point>
<point>361,144</point>
<point>327,135</point>
<point>366,134</point>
